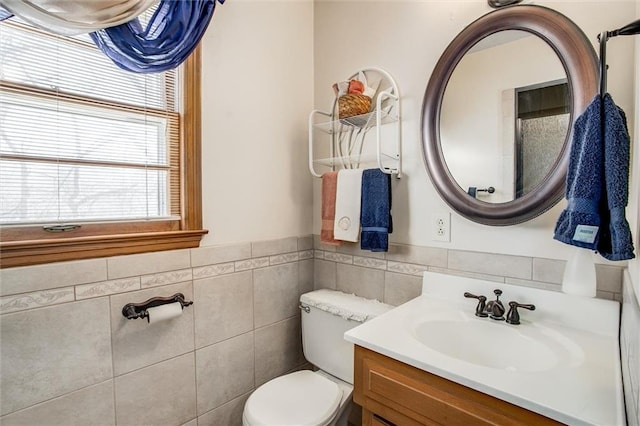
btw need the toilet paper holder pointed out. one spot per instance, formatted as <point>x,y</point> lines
<point>139,310</point>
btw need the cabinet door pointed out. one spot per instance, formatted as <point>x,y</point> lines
<point>406,395</point>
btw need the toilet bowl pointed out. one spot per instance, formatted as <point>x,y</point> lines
<point>322,397</point>
<point>306,397</point>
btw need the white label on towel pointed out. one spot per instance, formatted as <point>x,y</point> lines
<point>344,223</point>
<point>585,234</point>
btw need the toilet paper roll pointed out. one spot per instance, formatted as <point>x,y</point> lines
<point>164,312</point>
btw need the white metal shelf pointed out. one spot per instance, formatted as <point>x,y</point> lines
<point>365,159</point>
<point>386,111</point>
<point>363,122</point>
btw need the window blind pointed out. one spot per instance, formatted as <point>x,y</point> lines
<point>80,139</point>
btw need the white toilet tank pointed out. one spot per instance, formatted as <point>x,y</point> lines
<point>326,316</point>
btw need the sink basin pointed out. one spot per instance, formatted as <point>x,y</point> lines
<point>495,344</point>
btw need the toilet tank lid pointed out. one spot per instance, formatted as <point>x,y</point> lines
<point>347,306</point>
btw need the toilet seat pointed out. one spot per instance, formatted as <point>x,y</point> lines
<point>303,398</point>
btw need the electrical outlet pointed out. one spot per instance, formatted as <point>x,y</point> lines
<point>441,227</point>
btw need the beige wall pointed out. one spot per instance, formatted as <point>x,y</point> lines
<point>634,193</point>
<point>257,91</point>
<point>630,333</point>
<point>406,38</point>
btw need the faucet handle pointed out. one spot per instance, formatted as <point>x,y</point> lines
<point>513,317</point>
<point>498,293</point>
<point>480,309</point>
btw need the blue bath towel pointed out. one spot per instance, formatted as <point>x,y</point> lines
<point>579,222</point>
<point>615,242</point>
<point>375,214</point>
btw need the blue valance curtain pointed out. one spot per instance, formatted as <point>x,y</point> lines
<point>174,30</point>
<point>163,43</point>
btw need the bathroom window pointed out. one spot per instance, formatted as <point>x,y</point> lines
<point>94,160</point>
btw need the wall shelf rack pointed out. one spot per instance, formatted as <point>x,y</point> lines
<point>348,136</point>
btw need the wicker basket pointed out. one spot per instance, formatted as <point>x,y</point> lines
<point>353,104</point>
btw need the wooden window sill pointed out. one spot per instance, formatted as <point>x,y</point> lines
<point>23,253</point>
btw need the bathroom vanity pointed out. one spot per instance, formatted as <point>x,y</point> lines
<point>392,392</point>
<point>433,361</point>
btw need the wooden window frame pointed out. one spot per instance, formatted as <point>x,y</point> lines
<point>31,245</point>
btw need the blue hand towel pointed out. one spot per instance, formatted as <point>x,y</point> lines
<point>615,242</point>
<point>375,215</point>
<point>579,222</point>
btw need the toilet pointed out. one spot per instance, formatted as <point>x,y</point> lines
<point>322,397</point>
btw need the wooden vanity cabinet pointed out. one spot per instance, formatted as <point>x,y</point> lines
<point>394,393</point>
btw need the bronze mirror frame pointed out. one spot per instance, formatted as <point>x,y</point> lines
<point>580,63</point>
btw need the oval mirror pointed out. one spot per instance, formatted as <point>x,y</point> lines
<point>498,112</point>
<point>510,92</point>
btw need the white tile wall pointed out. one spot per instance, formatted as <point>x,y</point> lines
<point>492,264</point>
<point>106,288</point>
<point>63,333</point>
<point>630,350</point>
<point>366,282</point>
<point>306,254</point>
<point>148,263</point>
<point>338,257</point>
<point>220,254</point>
<point>38,299</point>
<point>406,268</point>
<point>277,348</point>
<point>51,351</point>
<point>41,277</point>
<point>276,294</point>
<point>333,269</point>
<point>231,362</point>
<point>225,309</point>
<point>165,278</point>
<point>227,414</point>
<point>161,394</point>
<point>93,405</point>
<point>244,265</point>
<point>268,248</point>
<point>369,262</point>
<point>68,356</point>
<point>400,288</point>
<point>215,270</point>
<point>420,255</point>
<point>132,339</point>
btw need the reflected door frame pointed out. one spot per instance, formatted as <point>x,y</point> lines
<point>553,109</point>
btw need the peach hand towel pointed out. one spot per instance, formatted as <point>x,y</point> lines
<point>329,185</point>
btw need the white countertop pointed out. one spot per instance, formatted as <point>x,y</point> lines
<point>582,387</point>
